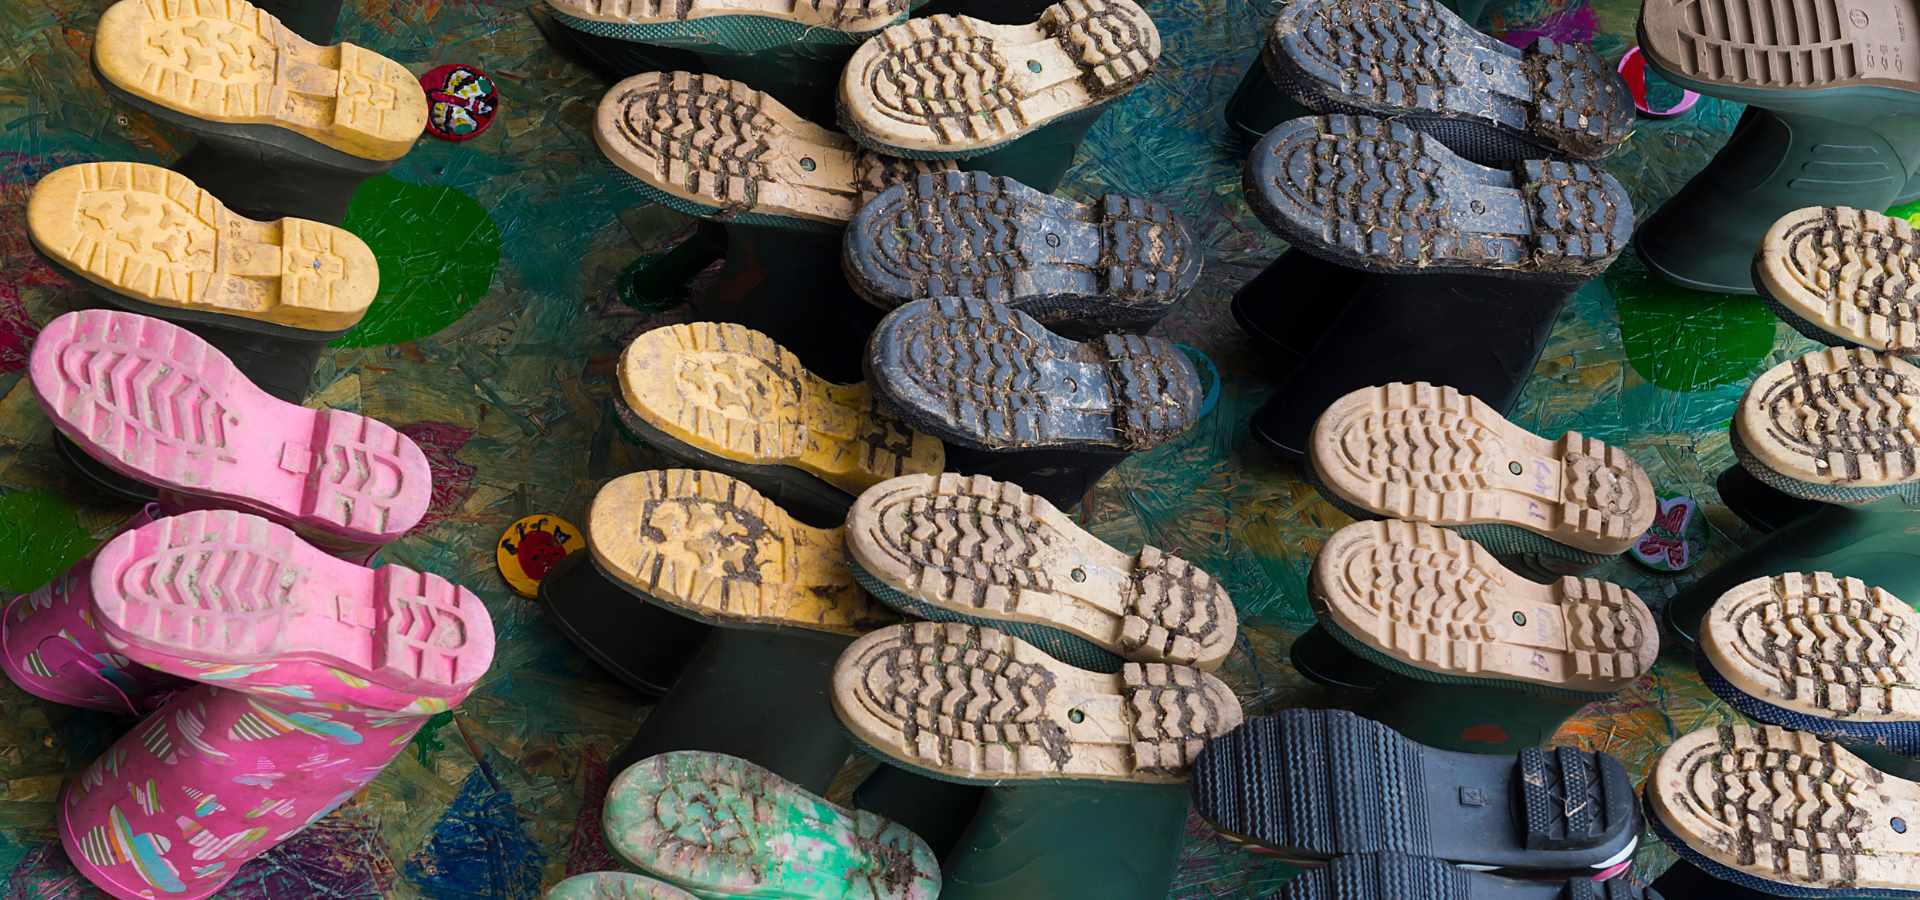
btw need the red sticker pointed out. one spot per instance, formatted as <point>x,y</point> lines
<point>461,102</point>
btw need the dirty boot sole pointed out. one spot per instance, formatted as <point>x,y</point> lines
<point>1785,813</point>
<point>614,886</point>
<point>1397,876</point>
<point>711,548</point>
<point>723,827</point>
<point>1383,197</point>
<point>154,237</point>
<point>157,404</point>
<point>1120,264</point>
<point>731,392</point>
<point>1316,784</point>
<point>1820,653</point>
<point>1844,276</point>
<point>1417,59</point>
<point>1847,62</point>
<point>953,86</point>
<point>1422,598</point>
<point>980,551</point>
<point>230,62</point>
<point>1431,454</point>
<point>981,375</point>
<point>719,149</point>
<point>1835,425</point>
<point>852,16</point>
<point>976,706</point>
<point>227,588</point>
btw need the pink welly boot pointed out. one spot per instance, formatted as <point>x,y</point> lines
<point>50,648</point>
<point>315,672</point>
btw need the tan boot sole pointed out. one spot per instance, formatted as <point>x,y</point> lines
<point>1790,808</point>
<point>1818,644</point>
<point>952,84</point>
<point>1764,46</point>
<point>1853,273</point>
<point>708,546</point>
<point>227,61</point>
<point>1441,603</point>
<point>1431,454</point>
<point>726,150</point>
<point>981,548</point>
<point>972,704</point>
<point>150,234</point>
<point>731,391</point>
<point>839,15</point>
<point>1835,417</point>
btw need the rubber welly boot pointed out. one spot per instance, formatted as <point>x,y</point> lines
<point>642,645</point>
<point>1761,507</point>
<point>1291,304</point>
<point>316,20</point>
<point>101,477</point>
<point>1041,159</point>
<point>1684,880</point>
<point>760,695</point>
<point>788,285</point>
<point>1481,335</point>
<point>1111,841</point>
<point>1063,476</point>
<point>1319,656</point>
<point>611,58</point>
<point>938,811</point>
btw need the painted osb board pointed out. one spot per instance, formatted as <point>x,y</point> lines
<point>493,344</point>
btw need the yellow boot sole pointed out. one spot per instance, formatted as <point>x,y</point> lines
<point>150,234</point>
<point>709,547</point>
<point>732,392</point>
<point>227,61</point>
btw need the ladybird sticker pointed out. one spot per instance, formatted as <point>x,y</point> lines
<point>532,547</point>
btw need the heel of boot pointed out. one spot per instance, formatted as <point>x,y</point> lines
<point>1581,218</point>
<point>1116,41</point>
<point>1606,495</point>
<point>1150,258</point>
<point>428,631</point>
<point>1156,389</point>
<point>365,476</point>
<point>1581,105</point>
<point>1572,799</point>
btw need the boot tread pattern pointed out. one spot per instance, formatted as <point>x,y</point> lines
<point>1831,643</point>
<point>361,472</point>
<point>1391,876</point>
<point>1426,452</point>
<point>144,391</point>
<point>1842,415</point>
<point>1579,102</point>
<point>1146,249</point>
<point>710,137</point>
<point>1861,269</point>
<point>1576,217</point>
<point>941,73</point>
<point>845,15</point>
<point>1809,46</point>
<point>1569,797</point>
<point>1602,494</point>
<point>1114,41</point>
<point>1607,625</point>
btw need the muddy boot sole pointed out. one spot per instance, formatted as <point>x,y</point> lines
<point>614,886</point>
<point>1437,606</point>
<point>152,236</point>
<point>1785,813</point>
<point>722,826</point>
<point>1397,876</point>
<point>1834,425</point>
<point>1431,454</point>
<point>1844,276</point>
<point>1315,784</point>
<point>728,391</point>
<point>238,65</point>
<point>1820,653</point>
<point>1418,60</point>
<point>718,149</point>
<point>1120,264</point>
<point>983,552</point>
<point>952,86</point>
<point>709,547</point>
<point>976,706</point>
<point>640,18</point>
<point>1381,196</point>
<point>980,375</point>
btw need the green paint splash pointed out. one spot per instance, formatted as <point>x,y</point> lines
<point>438,250</point>
<point>1687,340</point>
<point>426,742</point>
<point>41,538</point>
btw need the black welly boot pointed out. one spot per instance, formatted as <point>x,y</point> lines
<point>1761,507</point>
<point>1291,304</point>
<point>642,645</point>
<point>788,285</point>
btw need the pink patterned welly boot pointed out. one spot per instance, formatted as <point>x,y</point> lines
<point>315,673</point>
<point>51,649</point>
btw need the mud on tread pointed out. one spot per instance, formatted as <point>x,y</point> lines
<point>1115,42</point>
<point>710,132</point>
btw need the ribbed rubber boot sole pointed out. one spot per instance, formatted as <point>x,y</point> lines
<point>230,588</point>
<point>1431,454</point>
<point>1380,196</point>
<point>231,62</point>
<point>1440,603</point>
<point>1840,419</point>
<point>156,403</point>
<point>707,546</point>
<point>1317,784</point>
<point>1788,48</point>
<point>614,886</point>
<point>732,392</point>
<point>981,375</point>
<point>1416,58</point>
<point>1121,263</point>
<point>711,147</point>
<point>722,826</point>
<point>956,86</point>
<point>985,549</point>
<point>153,235</point>
<point>1787,813</point>
<point>1396,876</point>
<point>1852,274</point>
<point>839,15</point>
<point>973,705</point>
<point>1824,646</point>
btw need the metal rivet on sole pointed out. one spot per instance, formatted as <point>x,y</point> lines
<point>1899,825</point>
<point>1079,574</point>
<point>1478,207</point>
<point>1520,618</point>
<point>1486,67</point>
<point>1053,240</point>
<point>1033,65</point>
<point>1076,717</point>
<point>807,164</point>
<point>1516,468</point>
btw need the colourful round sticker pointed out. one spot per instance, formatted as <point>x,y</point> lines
<point>1676,539</point>
<point>461,101</point>
<point>532,547</point>
<point>1633,70</point>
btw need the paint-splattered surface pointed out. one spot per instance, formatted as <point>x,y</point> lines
<point>493,345</point>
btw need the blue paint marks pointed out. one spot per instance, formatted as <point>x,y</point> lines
<point>479,849</point>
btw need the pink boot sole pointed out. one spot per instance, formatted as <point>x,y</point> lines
<point>156,403</point>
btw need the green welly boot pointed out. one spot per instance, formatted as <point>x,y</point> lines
<point>938,811</point>
<point>1110,841</point>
